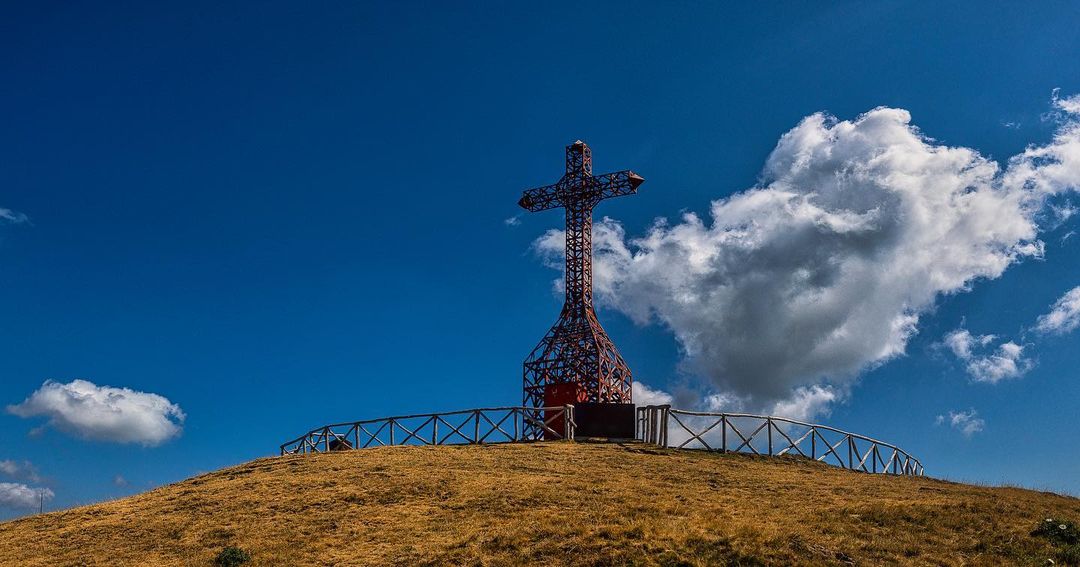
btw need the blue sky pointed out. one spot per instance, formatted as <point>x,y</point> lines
<point>279,215</point>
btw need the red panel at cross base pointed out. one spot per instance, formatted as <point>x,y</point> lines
<point>564,393</point>
<point>559,395</point>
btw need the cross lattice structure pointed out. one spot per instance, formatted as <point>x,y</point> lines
<point>576,360</point>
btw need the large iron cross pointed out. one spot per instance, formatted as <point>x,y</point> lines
<point>576,360</point>
<point>578,191</point>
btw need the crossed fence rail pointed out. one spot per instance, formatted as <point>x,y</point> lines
<point>484,425</point>
<point>658,425</point>
<point>769,435</point>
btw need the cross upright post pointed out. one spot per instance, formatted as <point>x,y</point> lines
<point>576,360</point>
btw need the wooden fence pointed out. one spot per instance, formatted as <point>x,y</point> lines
<point>768,435</point>
<point>659,425</point>
<point>485,425</point>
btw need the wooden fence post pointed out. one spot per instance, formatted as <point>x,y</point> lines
<point>568,422</point>
<point>769,426</point>
<point>723,433</point>
<point>664,413</point>
<point>476,427</point>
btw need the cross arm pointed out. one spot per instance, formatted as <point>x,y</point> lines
<point>591,189</point>
<point>617,184</point>
<point>541,198</point>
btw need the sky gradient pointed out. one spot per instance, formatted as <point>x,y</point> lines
<point>262,218</point>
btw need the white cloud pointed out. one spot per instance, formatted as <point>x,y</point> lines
<point>1064,211</point>
<point>10,468</point>
<point>961,341</point>
<point>120,481</point>
<point>1007,362</point>
<point>10,216</point>
<point>22,470</point>
<point>104,413</point>
<point>646,396</point>
<point>18,496</point>
<point>721,402</point>
<point>966,422</point>
<point>806,403</point>
<point>1068,105</point>
<point>513,221</point>
<point>983,365</point>
<point>1064,315</point>
<point>822,270</point>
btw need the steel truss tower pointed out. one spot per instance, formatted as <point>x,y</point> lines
<point>576,360</point>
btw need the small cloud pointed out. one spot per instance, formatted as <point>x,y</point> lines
<point>13,217</point>
<point>1062,109</point>
<point>1069,104</point>
<point>967,423</point>
<point>1010,124</point>
<point>1006,362</point>
<point>24,470</point>
<point>119,481</point>
<point>1064,315</point>
<point>513,221</point>
<point>722,403</point>
<point>960,342</point>
<point>18,496</point>
<point>1063,212</point>
<point>806,403</point>
<point>1067,236</point>
<point>104,413</point>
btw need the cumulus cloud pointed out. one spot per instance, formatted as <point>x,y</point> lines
<point>1064,315</point>
<point>19,496</point>
<point>966,422</point>
<point>822,270</point>
<point>982,363</point>
<point>104,413</point>
<point>13,217</point>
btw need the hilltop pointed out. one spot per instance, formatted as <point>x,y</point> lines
<point>546,503</point>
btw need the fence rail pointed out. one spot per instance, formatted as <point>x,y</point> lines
<point>769,435</point>
<point>485,425</point>
<point>659,425</point>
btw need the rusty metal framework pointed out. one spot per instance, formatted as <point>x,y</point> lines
<point>576,360</point>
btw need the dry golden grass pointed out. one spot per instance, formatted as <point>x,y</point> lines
<point>550,504</point>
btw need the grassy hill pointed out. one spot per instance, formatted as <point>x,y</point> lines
<point>550,504</point>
